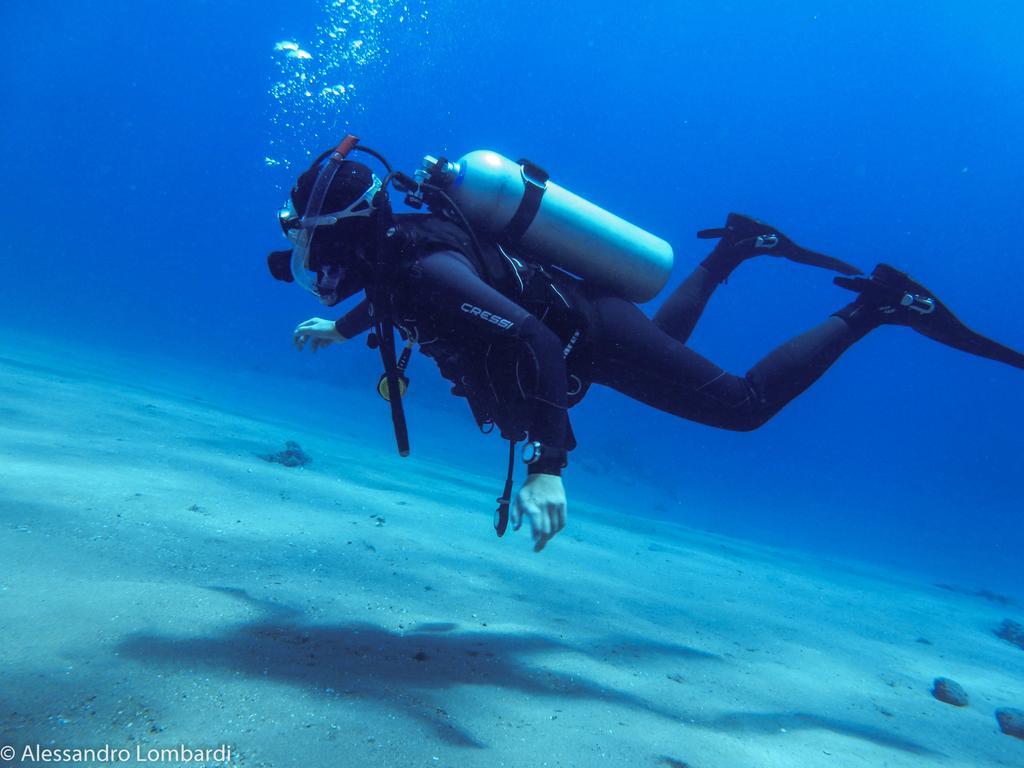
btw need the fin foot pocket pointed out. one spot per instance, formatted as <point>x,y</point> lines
<point>744,237</point>
<point>900,300</point>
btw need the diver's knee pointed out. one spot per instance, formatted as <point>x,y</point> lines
<point>750,421</point>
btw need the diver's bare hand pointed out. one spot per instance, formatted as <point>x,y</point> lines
<point>542,501</point>
<point>321,333</point>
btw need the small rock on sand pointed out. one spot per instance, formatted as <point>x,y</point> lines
<point>1011,722</point>
<point>949,691</point>
<point>291,456</point>
<point>1011,632</point>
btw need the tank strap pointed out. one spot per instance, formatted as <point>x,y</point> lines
<point>535,183</point>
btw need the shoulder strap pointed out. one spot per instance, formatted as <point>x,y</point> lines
<point>430,232</point>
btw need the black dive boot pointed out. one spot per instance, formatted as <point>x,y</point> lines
<point>892,297</point>
<point>743,237</point>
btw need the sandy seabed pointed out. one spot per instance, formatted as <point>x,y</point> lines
<point>164,588</point>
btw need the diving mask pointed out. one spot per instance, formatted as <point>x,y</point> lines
<point>301,230</point>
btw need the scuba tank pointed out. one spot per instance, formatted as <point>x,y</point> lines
<point>516,204</point>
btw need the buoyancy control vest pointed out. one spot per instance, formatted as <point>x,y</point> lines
<point>485,379</point>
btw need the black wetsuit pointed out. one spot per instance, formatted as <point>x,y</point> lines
<point>532,344</point>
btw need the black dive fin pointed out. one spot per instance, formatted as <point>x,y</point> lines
<point>710,234</point>
<point>748,234</point>
<point>815,259</point>
<point>907,302</point>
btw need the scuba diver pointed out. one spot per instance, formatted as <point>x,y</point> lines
<point>525,295</point>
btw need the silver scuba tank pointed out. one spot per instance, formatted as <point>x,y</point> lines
<point>516,203</point>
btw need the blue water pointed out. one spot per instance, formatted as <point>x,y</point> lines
<point>145,156</point>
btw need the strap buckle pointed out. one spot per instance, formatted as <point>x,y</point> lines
<point>925,305</point>
<point>534,174</point>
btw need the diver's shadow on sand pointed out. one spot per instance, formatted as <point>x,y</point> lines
<point>781,722</point>
<point>365,661</point>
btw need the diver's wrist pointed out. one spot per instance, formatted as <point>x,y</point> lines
<point>541,459</point>
<point>337,330</point>
<point>534,469</point>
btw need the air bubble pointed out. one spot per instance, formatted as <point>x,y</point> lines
<point>348,43</point>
